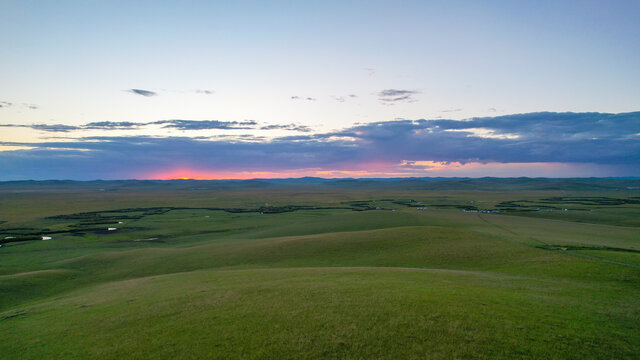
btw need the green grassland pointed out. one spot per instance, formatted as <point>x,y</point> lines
<point>307,270</point>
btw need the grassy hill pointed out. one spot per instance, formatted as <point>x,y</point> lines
<point>353,274</point>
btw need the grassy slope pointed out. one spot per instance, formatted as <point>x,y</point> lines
<point>319,284</point>
<point>358,296</point>
<point>327,313</point>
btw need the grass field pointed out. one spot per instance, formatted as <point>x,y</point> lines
<point>290,271</point>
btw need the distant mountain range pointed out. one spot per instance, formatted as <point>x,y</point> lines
<point>424,183</point>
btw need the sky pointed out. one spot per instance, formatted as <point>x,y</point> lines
<point>259,89</point>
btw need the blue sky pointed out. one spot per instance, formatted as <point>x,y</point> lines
<point>315,70</point>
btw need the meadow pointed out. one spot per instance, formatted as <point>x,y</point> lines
<point>311,269</point>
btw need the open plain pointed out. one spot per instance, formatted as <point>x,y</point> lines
<point>311,268</point>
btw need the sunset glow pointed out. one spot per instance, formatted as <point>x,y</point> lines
<point>425,168</point>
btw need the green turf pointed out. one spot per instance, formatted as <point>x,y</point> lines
<point>324,281</point>
<point>327,312</point>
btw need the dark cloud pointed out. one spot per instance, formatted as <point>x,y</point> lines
<point>126,125</point>
<point>146,93</point>
<point>206,92</point>
<point>295,97</point>
<point>7,104</point>
<point>112,125</point>
<point>206,124</point>
<point>396,92</point>
<point>551,125</point>
<point>451,110</point>
<point>534,137</point>
<point>131,157</point>
<point>54,128</point>
<point>395,95</point>
<point>103,125</point>
<point>588,138</point>
<point>292,127</point>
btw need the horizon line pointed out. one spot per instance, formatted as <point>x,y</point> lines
<point>341,178</point>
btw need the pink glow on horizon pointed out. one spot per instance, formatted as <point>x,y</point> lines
<point>245,175</point>
<point>422,168</point>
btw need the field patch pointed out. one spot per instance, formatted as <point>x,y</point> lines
<point>326,313</point>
